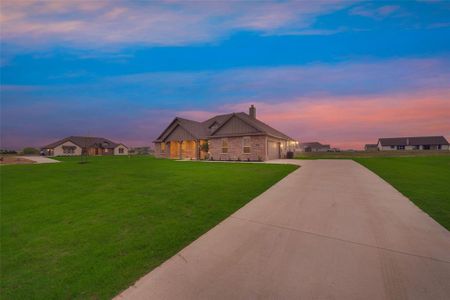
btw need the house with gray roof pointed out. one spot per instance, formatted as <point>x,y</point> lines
<point>371,147</point>
<point>234,136</point>
<point>86,145</point>
<point>313,147</point>
<point>413,143</point>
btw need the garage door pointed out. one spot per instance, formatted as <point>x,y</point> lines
<point>273,150</point>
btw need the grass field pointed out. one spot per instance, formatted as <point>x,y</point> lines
<point>88,231</point>
<point>356,154</point>
<point>424,180</point>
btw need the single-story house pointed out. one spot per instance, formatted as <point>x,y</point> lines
<point>371,147</point>
<point>234,136</point>
<point>413,143</point>
<point>78,145</point>
<point>313,147</point>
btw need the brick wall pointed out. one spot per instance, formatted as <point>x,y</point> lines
<point>158,152</point>
<point>236,149</point>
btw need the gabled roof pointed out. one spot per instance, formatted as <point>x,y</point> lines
<point>202,130</point>
<point>86,142</point>
<point>413,141</point>
<point>263,127</point>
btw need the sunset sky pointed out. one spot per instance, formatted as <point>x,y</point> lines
<point>338,72</point>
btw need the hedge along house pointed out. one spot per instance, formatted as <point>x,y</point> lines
<point>78,145</point>
<point>235,136</point>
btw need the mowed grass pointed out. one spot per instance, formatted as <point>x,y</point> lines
<point>363,154</point>
<point>88,231</point>
<point>424,180</point>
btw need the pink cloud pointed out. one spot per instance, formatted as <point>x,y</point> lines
<point>351,122</point>
<point>99,23</point>
<point>375,12</point>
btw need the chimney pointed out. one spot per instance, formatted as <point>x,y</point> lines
<point>252,112</point>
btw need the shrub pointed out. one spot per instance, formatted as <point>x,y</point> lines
<point>30,151</point>
<point>204,147</point>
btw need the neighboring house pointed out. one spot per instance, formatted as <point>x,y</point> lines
<point>413,143</point>
<point>234,136</point>
<point>371,147</point>
<point>313,147</point>
<point>78,145</point>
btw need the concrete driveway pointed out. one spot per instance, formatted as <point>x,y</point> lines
<point>41,159</point>
<point>332,229</point>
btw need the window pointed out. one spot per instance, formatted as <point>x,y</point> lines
<point>68,150</point>
<point>163,147</point>
<point>400,147</point>
<point>392,147</point>
<point>439,147</point>
<point>246,144</point>
<point>224,145</point>
<point>121,150</point>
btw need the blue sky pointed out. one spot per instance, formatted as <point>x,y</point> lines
<point>341,72</point>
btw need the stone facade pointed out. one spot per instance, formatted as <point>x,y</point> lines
<point>247,139</point>
<point>124,150</point>
<point>59,150</point>
<point>236,148</point>
<point>158,152</point>
<point>258,149</point>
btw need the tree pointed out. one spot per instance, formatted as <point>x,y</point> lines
<point>30,151</point>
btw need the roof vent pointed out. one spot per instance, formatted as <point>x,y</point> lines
<point>252,111</point>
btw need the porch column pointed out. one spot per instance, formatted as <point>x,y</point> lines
<point>180,151</point>
<point>197,149</point>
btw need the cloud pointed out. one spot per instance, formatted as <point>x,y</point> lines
<point>270,83</point>
<point>93,24</point>
<point>346,104</point>
<point>374,12</point>
<point>351,122</point>
<point>343,121</point>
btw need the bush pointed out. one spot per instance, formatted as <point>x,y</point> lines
<point>5,151</point>
<point>204,146</point>
<point>30,151</point>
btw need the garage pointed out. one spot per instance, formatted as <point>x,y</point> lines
<point>273,150</point>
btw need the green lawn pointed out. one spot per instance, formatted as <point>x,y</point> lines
<point>424,180</point>
<point>357,154</point>
<point>88,231</point>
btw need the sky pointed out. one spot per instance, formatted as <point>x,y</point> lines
<point>340,72</point>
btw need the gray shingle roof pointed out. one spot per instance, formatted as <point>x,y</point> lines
<point>202,130</point>
<point>85,141</point>
<point>413,141</point>
<point>313,145</point>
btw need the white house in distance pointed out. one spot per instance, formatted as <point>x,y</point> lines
<point>313,147</point>
<point>86,145</point>
<point>413,143</point>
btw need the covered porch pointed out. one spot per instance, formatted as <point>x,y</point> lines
<point>184,149</point>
